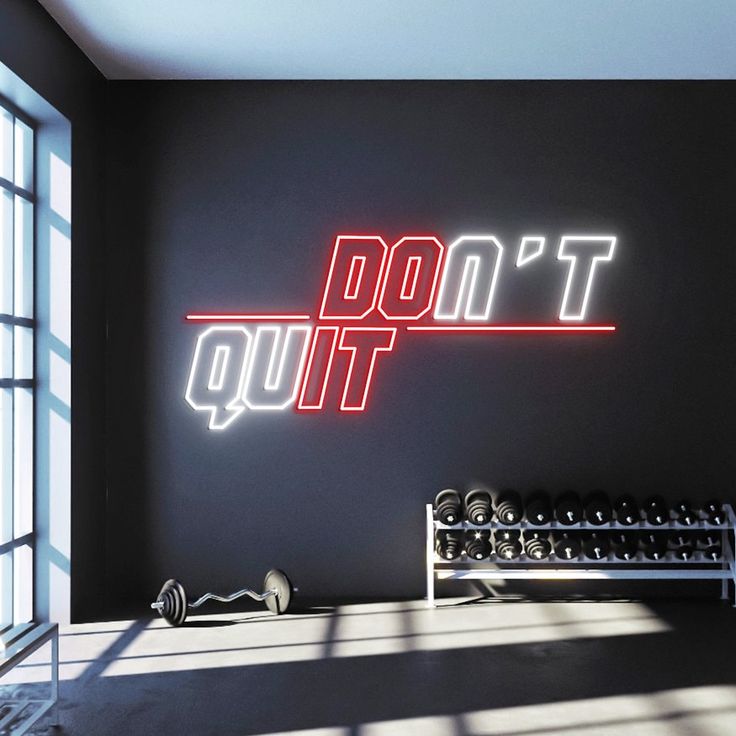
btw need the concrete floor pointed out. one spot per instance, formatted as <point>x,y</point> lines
<point>511,668</point>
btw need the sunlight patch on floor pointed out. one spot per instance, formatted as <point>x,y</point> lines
<point>221,640</point>
<point>698,711</point>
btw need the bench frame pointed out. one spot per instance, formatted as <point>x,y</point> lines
<point>27,640</point>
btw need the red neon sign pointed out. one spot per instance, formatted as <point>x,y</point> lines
<point>373,294</point>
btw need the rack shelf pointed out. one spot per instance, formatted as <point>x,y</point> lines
<point>582,568</point>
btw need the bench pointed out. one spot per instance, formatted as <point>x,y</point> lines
<point>17,643</point>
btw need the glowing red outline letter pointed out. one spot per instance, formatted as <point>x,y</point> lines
<point>348,295</point>
<point>364,351</point>
<point>413,262</point>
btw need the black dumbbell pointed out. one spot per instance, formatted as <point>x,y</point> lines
<point>539,508</point>
<point>709,539</point>
<point>568,509</point>
<point>507,535</point>
<point>596,545</point>
<point>449,544</point>
<point>683,510</point>
<point>508,508</point>
<point>530,534</point>
<point>680,506</point>
<point>654,545</point>
<point>626,547</point>
<point>478,543</point>
<point>507,546</point>
<point>478,507</point>
<point>537,548</point>
<point>622,536</point>
<point>684,552</point>
<point>713,552</point>
<point>567,545</point>
<point>447,504</point>
<point>626,510</point>
<point>655,509</point>
<point>681,538</point>
<point>597,508</point>
<point>714,511</point>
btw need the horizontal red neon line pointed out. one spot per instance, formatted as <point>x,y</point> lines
<point>247,317</point>
<point>514,328</point>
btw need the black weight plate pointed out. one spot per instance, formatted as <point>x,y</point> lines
<point>175,602</point>
<point>277,580</point>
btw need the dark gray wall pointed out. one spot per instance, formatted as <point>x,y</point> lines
<point>228,195</point>
<point>34,47</point>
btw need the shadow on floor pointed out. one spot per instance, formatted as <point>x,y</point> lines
<point>443,683</point>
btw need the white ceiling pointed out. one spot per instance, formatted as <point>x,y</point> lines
<point>403,39</point>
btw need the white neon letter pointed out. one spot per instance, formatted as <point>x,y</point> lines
<point>583,253</point>
<point>531,247</point>
<point>276,366</point>
<point>218,372</point>
<point>318,370</point>
<point>469,278</point>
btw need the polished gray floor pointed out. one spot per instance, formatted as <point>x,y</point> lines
<point>511,668</point>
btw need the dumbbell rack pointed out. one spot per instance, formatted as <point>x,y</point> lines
<point>582,568</point>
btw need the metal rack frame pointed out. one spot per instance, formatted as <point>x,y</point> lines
<point>581,568</point>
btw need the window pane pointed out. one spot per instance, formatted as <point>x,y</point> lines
<point>23,266</point>
<point>22,584</point>
<point>23,156</point>
<point>23,353</point>
<point>6,145</point>
<point>6,251</point>
<point>6,351</point>
<point>16,361</point>
<point>23,461</point>
<point>6,465</point>
<point>6,588</point>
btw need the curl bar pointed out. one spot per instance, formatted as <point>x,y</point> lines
<point>173,604</point>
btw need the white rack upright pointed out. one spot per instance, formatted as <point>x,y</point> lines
<point>581,568</point>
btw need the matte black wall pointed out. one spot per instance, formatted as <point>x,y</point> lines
<point>34,47</point>
<point>228,195</point>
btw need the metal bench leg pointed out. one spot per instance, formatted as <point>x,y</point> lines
<point>55,679</point>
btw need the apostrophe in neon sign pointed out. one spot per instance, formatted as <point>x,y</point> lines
<point>373,294</point>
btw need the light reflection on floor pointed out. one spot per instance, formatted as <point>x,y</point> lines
<point>228,639</point>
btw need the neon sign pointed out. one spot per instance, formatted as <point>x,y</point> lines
<point>373,297</point>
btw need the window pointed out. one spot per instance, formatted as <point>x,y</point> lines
<point>17,385</point>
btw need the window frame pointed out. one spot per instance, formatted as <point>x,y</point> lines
<point>29,538</point>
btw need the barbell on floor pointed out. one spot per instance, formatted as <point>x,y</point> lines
<point>173,604</point>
